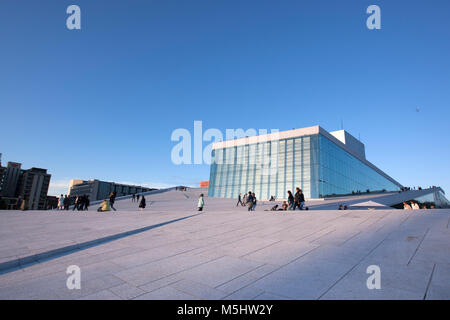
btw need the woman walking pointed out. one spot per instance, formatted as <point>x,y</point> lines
<point>290,200</point>
<point>142,203</point>
<point>250,201</point>
<point>201,203</point>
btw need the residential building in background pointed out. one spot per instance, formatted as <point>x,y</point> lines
<point>23,188</point>
<point>99,190</point>
<point>2,173</point>
<point>12,174</point>
<point>321,163</point>
<point>33,187</point>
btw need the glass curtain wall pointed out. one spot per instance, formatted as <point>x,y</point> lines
<point>268,168</point>
<point>313,163</point>
<point>341,173</point>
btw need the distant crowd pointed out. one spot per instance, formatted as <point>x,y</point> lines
<point>108,205</point>
<point>415,206</point>
<point>293,201</point>
<point>80,203</point>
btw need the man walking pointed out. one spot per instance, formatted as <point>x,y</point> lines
<point>297,198</point>
<point>239,201</point>
<point>254,201</point>
<point>112,198</point>
<point>250,201</point>
<point>76,203</point>
<point>66,202</point>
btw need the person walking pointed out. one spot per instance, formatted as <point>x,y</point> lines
<point>244,200</point>
<point>66,202</point>
<point>297,198</point>
<point>85,202</point>
<point>290,200</point>
<point>112,198</point>
<point>239,200</point>
<point>254,201</point>
<point>142,204</point>
<point>201,203</point>
<point>137,197</point>
<point>133,197</point>
<point>250,201</point>
<point>61,202</point>
<point>88,202</point>
<point>76,203</point>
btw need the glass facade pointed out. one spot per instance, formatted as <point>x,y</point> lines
<point>342,173</point>
<point>313,163</point>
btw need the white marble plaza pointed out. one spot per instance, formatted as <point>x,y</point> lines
<point>170,251</point>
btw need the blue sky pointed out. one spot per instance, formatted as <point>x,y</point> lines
<point>102,102</point>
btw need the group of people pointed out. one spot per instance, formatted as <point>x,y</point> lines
<point>297,200</point>
<point>142,203</point>
<point>135,197</point>
<point>247,200</point>
<point>80,203</point>
<point>109,205</point>
<point>293,202</point>
<point>413,188</point>
<point>414,206</point>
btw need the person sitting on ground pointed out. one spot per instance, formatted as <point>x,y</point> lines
<point>406,206</point>
<point>284,206</point>
<point>415,206</point>
<point>345,207</point>
<point>104,206</point>
<point>301,199</point>
<point>340,207</point>
<point>274,208</point>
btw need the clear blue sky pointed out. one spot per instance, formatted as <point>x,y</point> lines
<point>102,102</point>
